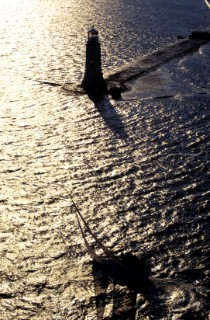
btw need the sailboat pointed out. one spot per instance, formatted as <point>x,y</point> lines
<point>125,269</point>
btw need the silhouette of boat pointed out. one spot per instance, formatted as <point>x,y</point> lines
<point>125,269</point>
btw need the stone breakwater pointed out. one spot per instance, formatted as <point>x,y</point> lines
<point>151,61</point>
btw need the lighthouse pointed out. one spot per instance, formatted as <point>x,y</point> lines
<point>93,81</point>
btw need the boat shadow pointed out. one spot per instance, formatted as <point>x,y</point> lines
<point>122,300</point>
<point>109,115</point>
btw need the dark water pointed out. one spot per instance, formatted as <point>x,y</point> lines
<point>138,169</point>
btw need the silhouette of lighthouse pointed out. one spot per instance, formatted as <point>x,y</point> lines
<point>93,81</point>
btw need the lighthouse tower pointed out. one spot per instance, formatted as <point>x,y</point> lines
<point>93,81</point>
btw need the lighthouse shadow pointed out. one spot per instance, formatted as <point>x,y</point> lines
<point>110,116</point>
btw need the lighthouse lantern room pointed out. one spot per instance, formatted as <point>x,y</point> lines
<point>93,34</point>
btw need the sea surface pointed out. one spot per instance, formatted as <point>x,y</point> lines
<point>138,169</point>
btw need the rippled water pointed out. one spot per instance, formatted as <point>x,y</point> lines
<point>138,169</point>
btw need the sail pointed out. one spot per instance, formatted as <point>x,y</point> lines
<point>208,3</point>
<point>107,252</point>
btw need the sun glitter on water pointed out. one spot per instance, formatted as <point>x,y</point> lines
<point>15,4</point>
<point>11,2</point>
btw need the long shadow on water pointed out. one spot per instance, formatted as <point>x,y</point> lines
<point>110,116</point>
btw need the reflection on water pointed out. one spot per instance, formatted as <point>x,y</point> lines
<point>138,168</point>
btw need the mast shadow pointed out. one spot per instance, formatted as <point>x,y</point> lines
<point>109,115</point>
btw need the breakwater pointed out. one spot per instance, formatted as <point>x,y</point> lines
<point>151,61</point>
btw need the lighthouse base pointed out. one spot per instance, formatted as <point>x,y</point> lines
<point>95,88</point>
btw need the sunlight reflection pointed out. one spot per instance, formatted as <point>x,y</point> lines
<point>11,4</point>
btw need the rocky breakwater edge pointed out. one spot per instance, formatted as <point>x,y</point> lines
<point>119,77</point>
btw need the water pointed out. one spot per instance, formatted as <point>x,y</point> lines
<point>138,169</point>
